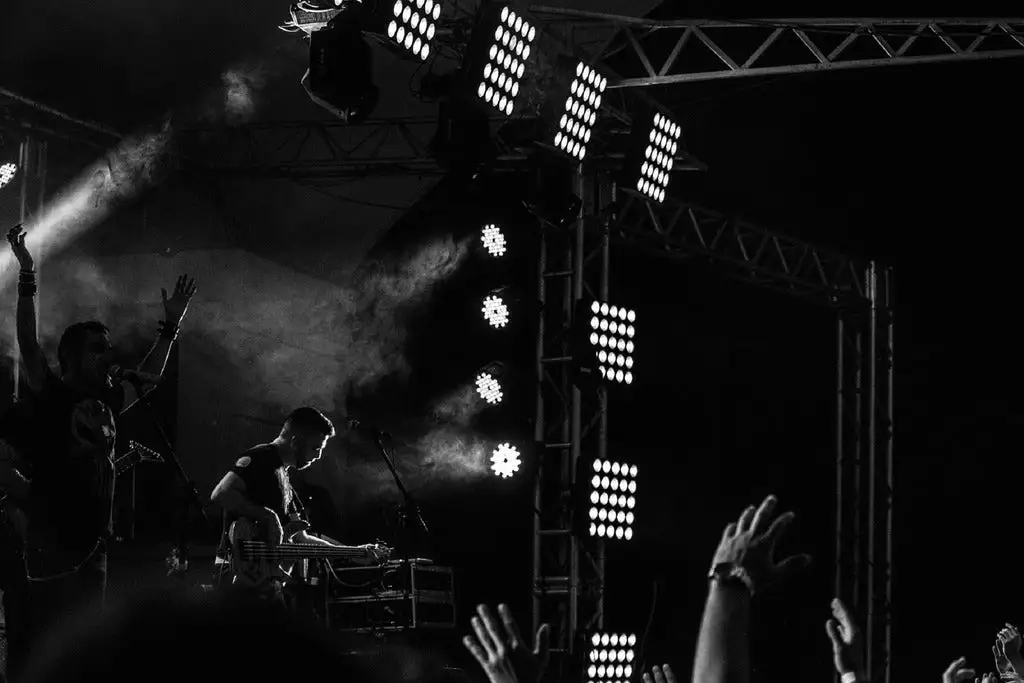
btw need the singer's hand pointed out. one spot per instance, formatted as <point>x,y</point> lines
<point>177,304</point>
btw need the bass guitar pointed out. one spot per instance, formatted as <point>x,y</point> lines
<point>257,564</point>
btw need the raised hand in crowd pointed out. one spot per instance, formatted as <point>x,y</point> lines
<point>176,306</point>
<point>1003,665</point>
<point>957,672</point>
<point>660,674</point>
<point>500,650</point>
<point>847,647</point>
<point>743,566</point>
<point>747,548</point>
<point>1008,642</point>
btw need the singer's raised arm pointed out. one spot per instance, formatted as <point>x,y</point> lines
<point>32,357</point>
<point>175,308</point>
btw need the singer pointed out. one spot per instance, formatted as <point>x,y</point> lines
<point>71,449</point>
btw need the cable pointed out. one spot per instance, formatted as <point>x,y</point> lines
<point>647,629</point>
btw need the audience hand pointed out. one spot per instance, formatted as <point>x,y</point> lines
<point>847,648</point>
<point>750,543</point>
<point>503,655</point>
<point>176,306</point>
<point>956,673</point>
<point>667,677</point>
<point>1002,661</point>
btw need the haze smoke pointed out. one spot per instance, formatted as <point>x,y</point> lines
<point>237,100</point>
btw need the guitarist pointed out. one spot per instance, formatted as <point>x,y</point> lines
<point>71,447</point>
<point>258,487</point>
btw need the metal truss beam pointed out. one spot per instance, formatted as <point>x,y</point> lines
<point>689,50</point>
<point>864,467</point>
<point>303,150</point>
<point>746,251</point>
<point>571,428</point>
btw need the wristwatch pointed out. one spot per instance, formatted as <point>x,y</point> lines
<point>731,574</point>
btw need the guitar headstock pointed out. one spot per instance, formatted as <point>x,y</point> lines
<point>145,454</point>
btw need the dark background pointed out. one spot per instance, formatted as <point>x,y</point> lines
<point>917,167</point>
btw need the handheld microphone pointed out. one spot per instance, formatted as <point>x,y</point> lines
<point>119,374</point>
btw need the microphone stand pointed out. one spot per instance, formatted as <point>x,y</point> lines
<point>193,492</point>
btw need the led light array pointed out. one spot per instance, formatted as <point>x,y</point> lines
<point>581,107</point>
<point>414,25</point>
<point>506,61</point>
<point>7,172</point>
<point>610,659</point>
<point>612,500</point>
<point>612,334</point>
<point>493,239</point>
<point>663,141</point>
<point>489,388</point>
<point>505,460</point>
<point>495,311</point>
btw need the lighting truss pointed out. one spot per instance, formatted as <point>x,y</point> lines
<point>612,331</point>
<point>495,311</point>
<point>489,388</point>
<point>505,460</point>
<point>499,62</point>
<point>413,25</point>
<point>612,500</point>
<point>7,172</point>
<point>580,113</point>
<point>493,240</point>
<point>610,657</point>
<point>667,51</point>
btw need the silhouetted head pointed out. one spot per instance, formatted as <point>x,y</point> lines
<point>85,355</point>
<point>305,434</point>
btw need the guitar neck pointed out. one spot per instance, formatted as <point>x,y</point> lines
<point>300,551</point>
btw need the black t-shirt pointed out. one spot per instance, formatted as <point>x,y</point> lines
<point>266,480</point>
<point>72,463</point>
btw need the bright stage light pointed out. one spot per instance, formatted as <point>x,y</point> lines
<point>506,61</point>
<point>656,167</point>
<point>610,657</point>
<point>612,499</point>
<point>581,106</point>
<point>413,25</point>
<point>505,460</point>
<point>7,172</point>
<point>495,311</point>
<point>611,335</point>
<point>489,388</point>
<point>493,240</point>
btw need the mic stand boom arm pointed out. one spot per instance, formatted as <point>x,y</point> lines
<point>193,493</point>
<point>410,505</point>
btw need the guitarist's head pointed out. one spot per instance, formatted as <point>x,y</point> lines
<point>304,437</point>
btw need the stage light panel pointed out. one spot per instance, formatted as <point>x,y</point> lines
<point>580,111</point>
<point>505,460</point>
<point>413,24</point>
<point>612,331</point>
<point>489,388</point>
<point>495,311</point>
<point>659,156</point>
<point>7,172</point>
<point>610,657</point>
<point>612,500</point>
<point>493,240</point>
<point>506,61</point>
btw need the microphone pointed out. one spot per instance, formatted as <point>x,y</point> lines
<point>119,374</point>
<point>363,427</point>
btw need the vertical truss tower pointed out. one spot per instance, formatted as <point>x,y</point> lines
<point>570,430</point>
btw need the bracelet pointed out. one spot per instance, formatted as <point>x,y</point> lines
<point>27,276</point>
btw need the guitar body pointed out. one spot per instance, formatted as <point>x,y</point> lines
<point>258,573</point>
